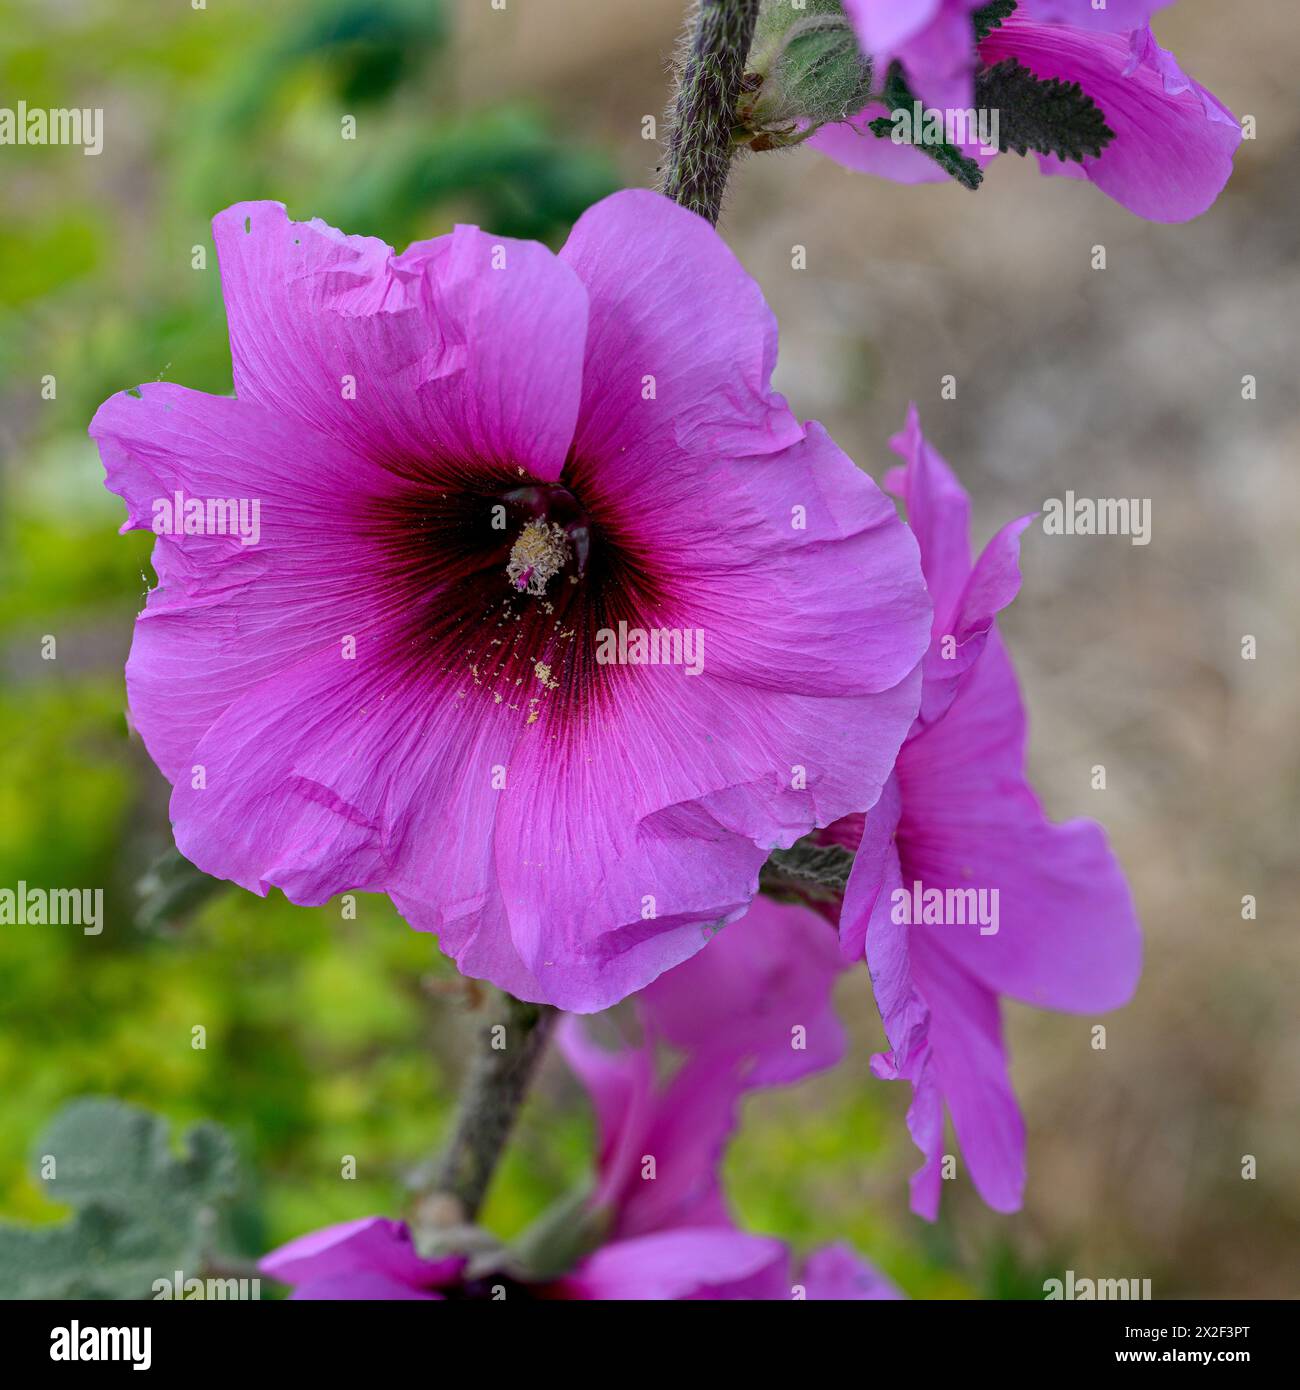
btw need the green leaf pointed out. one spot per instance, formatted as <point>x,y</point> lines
<point>143,1211</point>
<point>171,890</point>
<point>558,1240</point>
<point>898,96</point>
<point>806,871</point>
<point>989,17</point>
<point>1042,114</point>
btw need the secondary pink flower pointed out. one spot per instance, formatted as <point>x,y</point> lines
<point>752,1009</point>
<point>1114,17</point>
<point>657,1203</point>
<point>959,816</point>
<point>932,39</point>
<point>482,469</point>
<point>367,1260</point>
<point>1173,143</point>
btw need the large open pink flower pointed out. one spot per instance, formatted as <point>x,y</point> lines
<point>474,463</point>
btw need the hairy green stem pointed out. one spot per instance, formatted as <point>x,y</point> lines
<point>507,1048</point>
<point>699,150</point>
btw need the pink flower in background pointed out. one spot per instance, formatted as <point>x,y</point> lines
<point>932,39</point>
<point>958,814</point>
<point>1113,17</point>
<point>1174,141</point>
<point>663,1226</point>
<point>474,464</point>
<point>367,1260</point>
<point>752,1009</point>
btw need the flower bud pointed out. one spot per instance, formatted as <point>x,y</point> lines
<point>805,68</point>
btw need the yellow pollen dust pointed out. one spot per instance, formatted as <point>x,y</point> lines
<point>539,554</point>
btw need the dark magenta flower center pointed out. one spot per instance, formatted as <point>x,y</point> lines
<point>494,587</point>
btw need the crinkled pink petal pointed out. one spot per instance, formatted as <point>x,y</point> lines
<point>966,599</point>
<point>226,617</point>
<point>469,345</point>
<point>687,1132</point>
<point>933,39</point>
<point>945,1038</point>
<point>660,1146</point>
<point>760,992</point>
<point>752,1009</point>
<point>938,513</point>
<point>1067,935</point>
<point>1174,141</point>
<point>838,1272</point>
<point>650,268</point>
<point>904,1012</point>
<point>874,854</point>
<point>372,1246</point>
<point>993,583</point>
<point>680,1264</point>
<point>1115,16</point>
<point>621,1084</point>
<point>969,1059</point>
<point>958,814</point>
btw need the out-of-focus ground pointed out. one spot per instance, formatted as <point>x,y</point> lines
<point>1125,381</point>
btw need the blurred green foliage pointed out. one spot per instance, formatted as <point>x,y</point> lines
<point>325,1037</point>
<point>140,1207</point>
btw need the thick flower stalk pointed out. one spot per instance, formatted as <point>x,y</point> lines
<point>710,75</point>
<point>502,1064</point>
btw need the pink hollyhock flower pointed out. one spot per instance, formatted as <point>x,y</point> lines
<point>932,39</point>
<point>1114,16</point>
<point>485,478</point>
<point>364,1261</point>
<point>374,1260</point>
<point>959,815</point>
<point>753,1009</point>
<point>1173,143</point>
